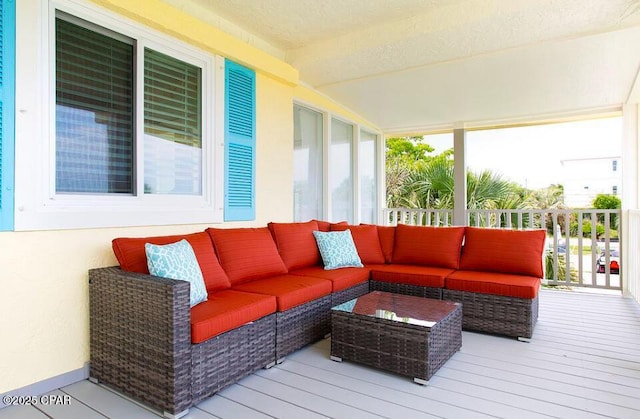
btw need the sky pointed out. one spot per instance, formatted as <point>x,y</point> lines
<point>531,156</point>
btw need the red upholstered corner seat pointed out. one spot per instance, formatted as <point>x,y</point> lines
<point>341,279</point>
<point>226,310</point>
<point>425,276</point>
<point>500,262</point>
<point>506,251</point>
<point>508,285</point>
<point>290,290</point>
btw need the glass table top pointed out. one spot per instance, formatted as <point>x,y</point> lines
<point>399,308</point>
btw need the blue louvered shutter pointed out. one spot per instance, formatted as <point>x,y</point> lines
<point>7,113</point>
<point>240,143</point>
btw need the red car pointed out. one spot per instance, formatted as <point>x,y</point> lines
<point>614,262</point>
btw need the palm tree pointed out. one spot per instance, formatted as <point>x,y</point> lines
<point>430,184</point>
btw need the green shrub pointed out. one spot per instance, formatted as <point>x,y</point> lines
<point>586,229</point>
<point>562,268</point>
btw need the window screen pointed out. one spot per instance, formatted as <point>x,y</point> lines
<point>94,111</point>
<point>172,125</point>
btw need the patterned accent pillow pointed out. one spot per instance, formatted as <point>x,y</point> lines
<point>337,249</point>
<point>177,261</point>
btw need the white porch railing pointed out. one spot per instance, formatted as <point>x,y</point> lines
<point>570,259</point>
<point>631,263</point>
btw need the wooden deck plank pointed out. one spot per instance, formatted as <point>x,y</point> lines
<point>559,383</point>
<point>106,402</point>
<point>323,385</point>
<point>224,408</point>
<point>573,405</point>
<point>495,401</point>
<point>76,409</point>
<point>21,412</point>
<point>278,383</point>
<point>391,387</point>
<point>266,404</point>
<point>564,372</point>
<point>583,361</point>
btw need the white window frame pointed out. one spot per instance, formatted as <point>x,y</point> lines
<point>327,116</point>
<point>38,205</point>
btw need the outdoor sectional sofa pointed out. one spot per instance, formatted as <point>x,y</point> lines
<point>269,294</point>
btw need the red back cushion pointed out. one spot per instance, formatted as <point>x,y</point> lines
<point>247,253</point>
<point>387,235</point>
<point>323,225</point>
<point>132,257</point>
<point>501,250</point>
<point>366,240</point>
<point>326,225</point>
<point>296,244</point>
<point>429,246</point>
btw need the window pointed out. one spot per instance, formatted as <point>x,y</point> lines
<point>172,125</point>
<point>94,111</point>
<point>307,164</point>
<point>131,124</point>
<point>336,166</point>
<point>614,190</point>
<point>341,171</point>
<point>96,140</point>
<point>614,165</point>
<point>367,165</point>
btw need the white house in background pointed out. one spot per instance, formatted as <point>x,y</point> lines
<point>585,178</point>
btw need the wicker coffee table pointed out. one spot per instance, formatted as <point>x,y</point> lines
<point>411,336</point>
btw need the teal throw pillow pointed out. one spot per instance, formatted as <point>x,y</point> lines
<point>177,261</point>
<point>337,249</point>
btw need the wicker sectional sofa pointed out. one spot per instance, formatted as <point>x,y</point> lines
<point>268,295</point>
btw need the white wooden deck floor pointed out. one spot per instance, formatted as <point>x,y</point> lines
<point>583,362</point>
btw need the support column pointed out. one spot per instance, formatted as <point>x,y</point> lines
<point>630,180</point>
<point>629,232</point>
<point>459,177</point>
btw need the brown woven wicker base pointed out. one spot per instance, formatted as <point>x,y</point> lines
<point>224,359</point>
<point>496,314</point>
<point>403,348</point>
<point>407,289</point>
<point>302,325</point>
<point>140,337</point>
<point>349,293</point>
<point>140,341</point>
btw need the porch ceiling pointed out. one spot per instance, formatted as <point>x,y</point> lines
<point>413,65</point>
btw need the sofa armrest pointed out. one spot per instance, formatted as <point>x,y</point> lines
<point>140,336</point>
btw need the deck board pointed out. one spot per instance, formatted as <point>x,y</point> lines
<point>583,361</point>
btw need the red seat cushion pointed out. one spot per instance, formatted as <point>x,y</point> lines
<point>227,310</point>
<point>296,244</point>
<point>509,285</point>
<point>426,276</point>
<point>341,279</point>
<point>429,246</point>
<point>290,290</point>
<point>247,254</point>
<point>366,240</point>
<point>132,257</point>
<point>502,250</point>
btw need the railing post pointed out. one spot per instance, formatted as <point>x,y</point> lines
<point>459,177</point>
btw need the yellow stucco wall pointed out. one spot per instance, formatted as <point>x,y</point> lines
<point>44,319</point>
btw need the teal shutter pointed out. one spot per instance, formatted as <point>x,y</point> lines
<point>240,143</point>
<point>7,112</point>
